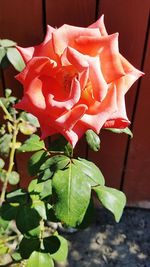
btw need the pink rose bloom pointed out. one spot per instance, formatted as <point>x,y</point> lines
<point>76,80</point>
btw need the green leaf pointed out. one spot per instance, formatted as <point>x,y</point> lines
<point>32,144</point>
<point>45,175</point>
<point>4,62</point>
<point>27,220</point>
<point>14,178</point>
<point>44,189</point>
<point>2,53</point>
<point>30,118</point>
<point>27,246</point>
<point>15,58</point>
<point>55,163</point>
<point>51,165</point>
<point>88,217</point>
<point>17,196</point>
<point>5,141</point>
<point>3,174</point>
<point>93,140</point>
<point>3,249</point>
<point>93,173</point>
<point>51,244</point>
<point>8,211</point>
<point>47,189</point>
<point>61,144</point>
<point>112,199</point>
<point>3,223</point>
<point>35,187</point>
<point>7,43</point>
<point>61,254</point>
<point>16,256</point>
<point>2,163</point>
<point>125,130</point>
<point>40,259</point>
<point>39,206</point>
<point>72,195</point>
<point>8,92</point>
<point>36,161</point>
<point>26,128</point>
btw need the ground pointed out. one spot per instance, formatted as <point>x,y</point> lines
<point>109,244</point>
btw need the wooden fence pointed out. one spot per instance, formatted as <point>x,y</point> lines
<point>125,163</point>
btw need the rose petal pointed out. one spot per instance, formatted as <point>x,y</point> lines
<point>66,34</point>
<point>75,134</point>
<point>76,59</point>
<point>132,73</point>
<point>36,66</point>
<point>99,85</point>
<point>72,57</point>
<point>108,51</point>
<point>100,24</point>
<point>49,31</point>
<point>68,102</point>
<point>27,53</point>
<point>70,118</point>
<point>106,109</point>
<point>46,129</point>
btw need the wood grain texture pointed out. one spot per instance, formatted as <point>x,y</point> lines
<point>137,177</point>
<point>20,21</point>
<point>75,12</point>
<point>126,18</point>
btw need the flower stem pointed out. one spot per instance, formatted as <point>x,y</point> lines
<point>11,161</point>
<point>5,111</point>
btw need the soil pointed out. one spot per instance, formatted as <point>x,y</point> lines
<point>109,244</point>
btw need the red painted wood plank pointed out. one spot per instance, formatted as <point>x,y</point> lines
<point>137,177</point>
<point>75,12</point>
<point>20,21</point>
<point>129,18</point>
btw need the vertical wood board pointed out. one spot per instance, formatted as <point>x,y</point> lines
<point>137,176</point>
<point>132,30</point>
<point>20,21</point>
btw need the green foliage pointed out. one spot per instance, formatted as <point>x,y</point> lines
<point>40,259</point>
<point>73,190</point>
<point>5,141</point>
<point>36,161</point>
<point>118,131</point>
<point>92,172</point>
<point>61,188</point>
<point>13,178</point>
<point>7,43</point>
<point>2,163</point>
<point>2,53</point>
<point>112,199</point>
<point>10,54</point>
<point>27,246</point>
<point>32,144</point>
<point>53,164</point>
<point>62,145</point>
<point>28,117</point>
<point>93,140</point>
<point>19,196</point>
<point>26,128</point>
<point>15,58</point>
<point>27,221</point>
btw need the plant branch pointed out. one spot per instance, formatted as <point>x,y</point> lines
<point>11,161</point>
<point>5,111</point>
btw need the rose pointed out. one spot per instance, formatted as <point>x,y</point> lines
<point>76,80</point>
